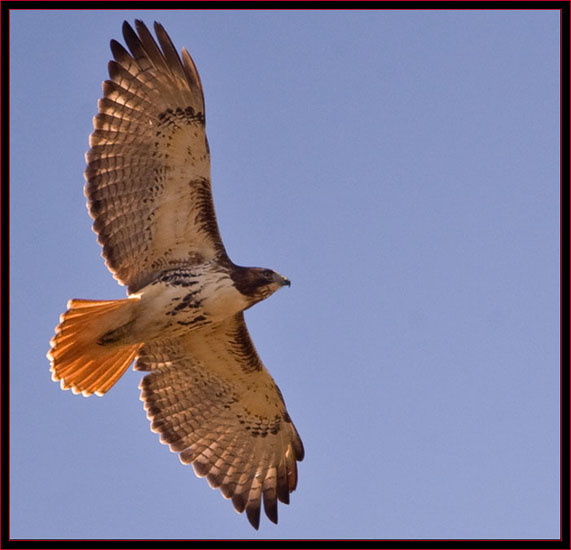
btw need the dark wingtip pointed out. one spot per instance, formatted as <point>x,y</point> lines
<point>271,509</point>
<point>140,26</point>
<point>116,48</point>
<point>238,502</point>
<point>126,28</point>
<point>299,449</point>
<point>253,514</point>
<point>128,31</point>
<point>158,27</point>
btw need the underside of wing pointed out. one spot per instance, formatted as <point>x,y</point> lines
<point>148,167</point>
<point>211,399</point>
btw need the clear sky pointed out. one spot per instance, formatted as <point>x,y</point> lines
<point>402,169</point>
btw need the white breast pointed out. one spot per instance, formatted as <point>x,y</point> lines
<point>166,309</point>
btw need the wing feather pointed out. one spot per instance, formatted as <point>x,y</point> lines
<point>148,167</point>
<point>150,47</point>
<point>211,399</point>
<point>270,494</point>
<point>174,62</point>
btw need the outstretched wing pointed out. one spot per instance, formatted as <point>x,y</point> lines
<point>213,401</point>
<point>148,168</point>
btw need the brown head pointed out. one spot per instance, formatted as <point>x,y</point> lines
<point>257,283</point>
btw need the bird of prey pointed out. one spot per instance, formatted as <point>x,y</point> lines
<point>148,191</point>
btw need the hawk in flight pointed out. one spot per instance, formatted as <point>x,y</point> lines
<point>207,392</point>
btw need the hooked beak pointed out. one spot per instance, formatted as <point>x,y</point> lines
<point>281,280</point>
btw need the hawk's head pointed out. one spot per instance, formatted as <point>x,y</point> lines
<point>257,283</point>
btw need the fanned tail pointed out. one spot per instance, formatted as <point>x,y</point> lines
<point>86,353</point>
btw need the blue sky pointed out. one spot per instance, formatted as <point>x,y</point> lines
<point>402,169</point>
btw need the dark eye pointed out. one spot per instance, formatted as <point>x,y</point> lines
<point>269,274</point>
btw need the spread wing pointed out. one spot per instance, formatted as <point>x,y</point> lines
<point>213,401</point>
<point>148,168</point>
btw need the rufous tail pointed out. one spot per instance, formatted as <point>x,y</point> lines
<point>86,353</point>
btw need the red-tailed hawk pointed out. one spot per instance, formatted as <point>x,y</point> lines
<point>207,392</point>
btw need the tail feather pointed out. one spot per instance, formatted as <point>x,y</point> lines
<point>109,376</point>
<point>78,359</point>
<point>80,303</point>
